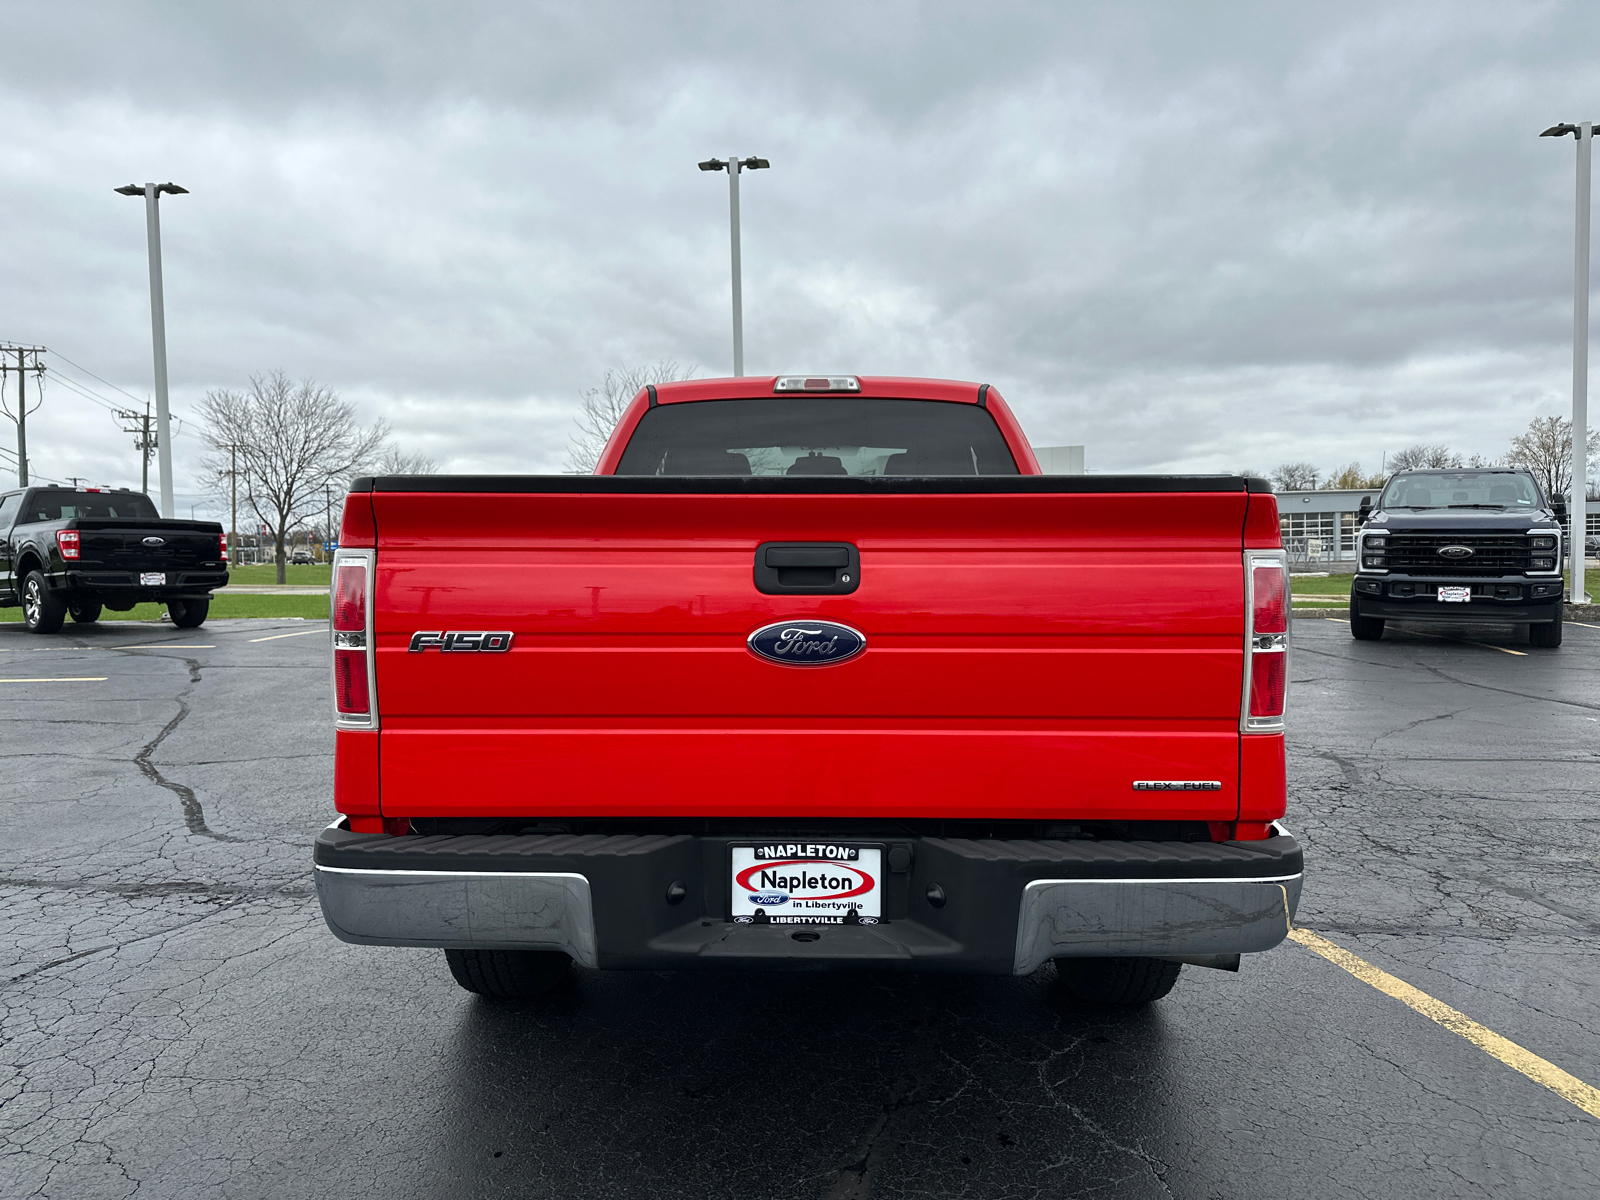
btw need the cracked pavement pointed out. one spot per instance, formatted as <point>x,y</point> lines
<point>177,1021</point>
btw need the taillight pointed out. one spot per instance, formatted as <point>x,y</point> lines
<point>222,546</point>
<point>67,542</point>
<point>1267,645</point>
<point>352,641</point>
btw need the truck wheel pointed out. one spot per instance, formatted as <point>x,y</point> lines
<point>43,611</point>
<point>508,974</point>
<point>1125,982</point>
<point>1547,635</point>
<point>85,612</point>
<point>1364,629</point>
<point>187,614</point>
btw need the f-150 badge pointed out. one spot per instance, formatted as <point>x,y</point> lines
<point>806,643</point>
<point>456,641</point>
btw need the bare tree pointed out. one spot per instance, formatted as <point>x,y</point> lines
<point>603,407</point>
<point>394,461</point>
<point>1295,477</point>
<point>1423,456</point>
<point>1353,478</point>
<point>288,441</point>
<point>1546,450</point>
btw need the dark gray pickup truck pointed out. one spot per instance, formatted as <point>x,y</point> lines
<point>1462,545</point>
<point>82,550</point>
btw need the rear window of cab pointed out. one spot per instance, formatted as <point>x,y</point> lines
<point>817,435</point>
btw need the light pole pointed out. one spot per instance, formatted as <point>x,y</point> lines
<point>733,164</point>
<point>158,324</point>
<point>1577,508</point>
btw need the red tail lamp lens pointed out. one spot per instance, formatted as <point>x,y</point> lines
<point>67,539</point>
<point>222,546</point>
<point>1272,600</point>
<point>350,599</point>
<point>1267,678</point>
<point>350,680</point>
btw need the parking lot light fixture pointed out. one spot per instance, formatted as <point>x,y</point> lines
<point>1576,508</point>
<point>158,324</point>
<point>734,165</point>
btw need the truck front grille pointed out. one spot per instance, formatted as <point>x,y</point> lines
<point>1492,554</point>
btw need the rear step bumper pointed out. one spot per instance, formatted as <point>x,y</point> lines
<point>1008,904</point>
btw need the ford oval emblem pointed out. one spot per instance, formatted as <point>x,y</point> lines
<point>155,541</point>
<point>769,899</point>
<point>806,643</point>
<point>1455,551</point>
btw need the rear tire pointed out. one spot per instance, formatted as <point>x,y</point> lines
<point>1547,635</point>
<point>509,974</point>
<point>85,612</point>
<point>1364,629</point>
<point>1123,982</point>
<point>43,611</point>
<point>187,614</point>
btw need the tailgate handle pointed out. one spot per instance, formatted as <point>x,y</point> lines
<point>807,556</point>
<point>807,568</point>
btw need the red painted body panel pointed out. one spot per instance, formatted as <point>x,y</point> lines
<point>1261,528</point>
<point>1016,664</point>
<point>1263,792</point>
<point>355,772</point>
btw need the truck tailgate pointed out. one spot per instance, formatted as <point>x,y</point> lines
<point>1026,656</point>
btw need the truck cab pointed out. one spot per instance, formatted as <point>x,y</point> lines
<point>1457,546</point>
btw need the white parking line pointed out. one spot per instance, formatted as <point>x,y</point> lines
<point>158,646</point>
<point>63,679</point>
<point>296,633</point>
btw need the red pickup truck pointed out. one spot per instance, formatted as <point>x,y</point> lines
<point>814,672</point>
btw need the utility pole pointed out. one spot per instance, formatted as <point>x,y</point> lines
<point>233,517</point>
<point>1577,508</point>
<point>22,367</point>
<point>733,165</point>
<point>158,324</point>
<point>140,428</point>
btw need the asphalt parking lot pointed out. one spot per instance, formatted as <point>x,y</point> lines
<point>177,1022</point>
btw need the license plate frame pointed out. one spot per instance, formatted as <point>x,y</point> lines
<point>798,865</point>
<point>152,579</point>
<point>1455,595</point>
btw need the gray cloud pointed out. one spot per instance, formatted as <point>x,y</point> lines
<point>1192,239</point>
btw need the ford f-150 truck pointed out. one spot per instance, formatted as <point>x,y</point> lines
<point>812,672</point>
<point>82,550</point>
<point>1480,544</point>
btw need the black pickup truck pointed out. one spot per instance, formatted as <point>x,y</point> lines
<point>1466,545</point>
<point>81,550</point>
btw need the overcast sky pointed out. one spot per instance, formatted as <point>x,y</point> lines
<point>1190,236</point>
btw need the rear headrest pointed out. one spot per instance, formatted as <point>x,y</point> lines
<point>818,464</point>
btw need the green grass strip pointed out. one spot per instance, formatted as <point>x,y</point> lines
<point>314,607</point>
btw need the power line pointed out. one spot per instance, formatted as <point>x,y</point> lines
<point>92,375</point>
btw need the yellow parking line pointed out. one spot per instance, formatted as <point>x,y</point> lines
<point>296,633</point>
<point>64,679</point>
<point>1568,1087</point>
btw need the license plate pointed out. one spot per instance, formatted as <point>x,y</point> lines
<point>152,578</point>
<point>807,883</point>
<point>1456,595</point>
